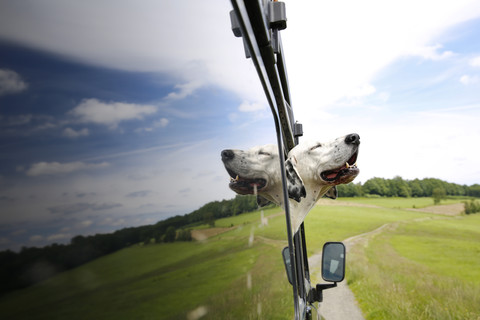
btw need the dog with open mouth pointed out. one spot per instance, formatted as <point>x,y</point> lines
<point>322,166</point>
<point>257,171</point>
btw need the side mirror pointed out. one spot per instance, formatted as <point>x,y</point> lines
<point>333,261</point>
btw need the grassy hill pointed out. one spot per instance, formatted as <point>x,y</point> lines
<point>238,273</point>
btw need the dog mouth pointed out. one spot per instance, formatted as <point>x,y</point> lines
<point>344,174</point>
<point>243,185</point>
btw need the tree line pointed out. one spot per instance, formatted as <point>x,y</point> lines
<point>31,265</point>
<point>398,187</point>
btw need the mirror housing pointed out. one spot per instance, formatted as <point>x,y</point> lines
<point>333,261</point>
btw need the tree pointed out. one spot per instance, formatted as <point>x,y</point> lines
<point>377,186</point>
<point>438,194</point>
<point>350,190</point>
<point>170,235</point>
<point>184,235</point>
<point>473,190</point>
<point>399,187</point>
<point>209,219</point>
<point>416,188</point>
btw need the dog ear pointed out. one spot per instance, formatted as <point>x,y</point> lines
<point>296,189</point>
<point>332,193</point>
<point>262,202</point>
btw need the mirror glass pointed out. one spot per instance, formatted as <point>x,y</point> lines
<point>333,261</point>
<point>288,265</point>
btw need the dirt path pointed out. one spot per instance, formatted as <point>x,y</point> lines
<point>329,202</point>
<point>339,303</point>
<point>204,234</point>
<point>445,209</point>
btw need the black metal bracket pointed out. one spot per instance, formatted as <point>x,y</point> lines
<point>316,294</point>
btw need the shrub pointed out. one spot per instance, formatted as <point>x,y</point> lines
<point>472,206</point>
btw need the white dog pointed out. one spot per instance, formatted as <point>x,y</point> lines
<point>322,166</point>
<point>259,168</point>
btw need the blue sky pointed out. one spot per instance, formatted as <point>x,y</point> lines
<point>113,114</point>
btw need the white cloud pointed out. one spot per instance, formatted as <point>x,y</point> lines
<point>162,123</point>
<point>384,96</point>
<point>36,238</point>
<point>233,117</point>
<point>11,82</point>
<point>362,90</point>
<point>18,120</point>
<point>71,133</point>
<point>19,232</point>
<point>112,222</point>
<point>468,80</point>
<point>184,90</point>
<point>111,113</point>
<point>247,106</point>
<point>59,236</point>
<point>55,168</point>
<point>85,223</point>
<point>431,52</point>
<point>71,208</point>
<point>475,61</point>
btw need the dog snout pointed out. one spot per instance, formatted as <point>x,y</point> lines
<point>297,193</point>
<point>227,155</point>
<point>352,139</point>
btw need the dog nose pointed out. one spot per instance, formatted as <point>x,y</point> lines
<point>227,154</point>
<point>352,139</point>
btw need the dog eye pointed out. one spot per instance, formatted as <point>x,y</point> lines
<point>315,147</point>
<point>263,153</point>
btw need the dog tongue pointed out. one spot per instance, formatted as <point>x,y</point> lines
<point>332,175</point>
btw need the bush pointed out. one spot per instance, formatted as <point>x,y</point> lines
<point>472,206</point>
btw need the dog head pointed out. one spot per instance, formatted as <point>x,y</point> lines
<point>322,166</point>
<point>331,163</point>
<point>259,168</point>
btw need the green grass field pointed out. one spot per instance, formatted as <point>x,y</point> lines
<point>424,267</point>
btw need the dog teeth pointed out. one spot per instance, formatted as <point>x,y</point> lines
<point>233,180</point>
<point>350,166</point>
